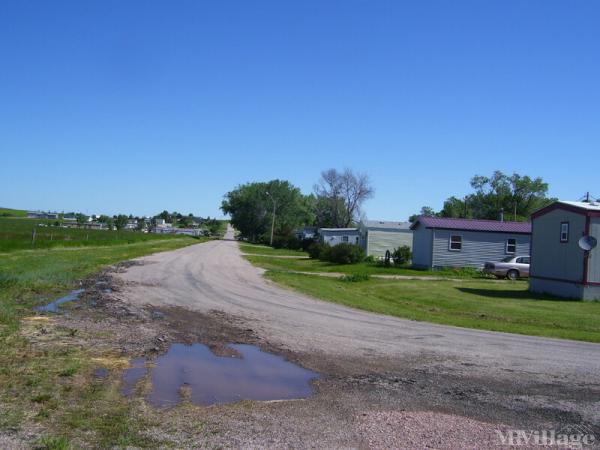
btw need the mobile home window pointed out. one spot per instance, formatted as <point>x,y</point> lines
<point>564,232</point>
<point>344,238</point>
<point>511,246</point>
<point>456,243</point>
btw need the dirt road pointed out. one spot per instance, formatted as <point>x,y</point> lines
<point>213,276</point>
<point>375,367</point>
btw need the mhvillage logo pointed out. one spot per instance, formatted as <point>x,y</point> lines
<point>568,437</point>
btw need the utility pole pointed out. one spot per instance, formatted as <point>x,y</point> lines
<point>273,218</point>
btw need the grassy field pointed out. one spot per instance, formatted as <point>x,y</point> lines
<point>266,250</point>
<point>312,265</point>
<point>8,212</point>
<point>482,304</point>
<point>53,387</point>
<point>17,234</point>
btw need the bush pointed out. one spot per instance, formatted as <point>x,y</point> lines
<point>402,255</point>
<point>314,250</point>
<point>345,254</point>
<point>289,241</point>
<point>355,278</point>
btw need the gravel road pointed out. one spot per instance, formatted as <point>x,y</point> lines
<point>213,276</point>
<point>387,382</point>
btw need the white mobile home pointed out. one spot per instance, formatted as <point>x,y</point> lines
<point>559,266</point>
<point>446,242</point>
<point>335,236</point>
<point>378,236</point>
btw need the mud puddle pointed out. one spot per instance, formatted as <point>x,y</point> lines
<point>53,306</point>
<point>209,379</point>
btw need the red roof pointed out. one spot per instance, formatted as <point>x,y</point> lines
<point>473,225</point>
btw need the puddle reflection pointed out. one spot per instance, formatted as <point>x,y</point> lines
<point>212,379</point>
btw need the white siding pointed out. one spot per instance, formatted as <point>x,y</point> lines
<point>337,237</point>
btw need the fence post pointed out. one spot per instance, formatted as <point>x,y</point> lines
<point>33,236</point>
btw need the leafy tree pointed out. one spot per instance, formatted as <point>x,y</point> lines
<point>516,196</point>
<point>251,208</point>
<point>120,221</point>
<point>341,194</point>
<point>81,219</point>
<point>166,216</point>
<point>425,211</point>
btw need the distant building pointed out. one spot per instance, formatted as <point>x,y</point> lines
<point>42,215</point>
<point>131,224</point>
<point>378,236</point>
<point>185,231</point>
<point>306,233</point>
<point>335,236</point>
<point>445,242</point>
<point>559,266</point>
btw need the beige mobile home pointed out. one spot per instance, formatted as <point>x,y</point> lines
<point>379,236</point>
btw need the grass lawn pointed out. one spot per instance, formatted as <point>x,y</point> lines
<point>54,387</point>
<point>266,250</point>
<point>312,265</point>
<point>482,304</point>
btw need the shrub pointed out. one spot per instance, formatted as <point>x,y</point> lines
<point>355,277</point>
<point>346,254</point>
<point>314,250</point>
<point>289,241</point>
<point>402,255</point>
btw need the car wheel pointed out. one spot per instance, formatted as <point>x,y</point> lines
<point>512,274</point>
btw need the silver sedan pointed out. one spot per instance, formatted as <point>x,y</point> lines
<point>511,267</point>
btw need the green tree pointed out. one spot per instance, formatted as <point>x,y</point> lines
<point>81,219</point>
<point>120,221</point>
<point>251,207</point>
<point>425,211</point>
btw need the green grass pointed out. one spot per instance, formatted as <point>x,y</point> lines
<point>17,234</point>
<point>481,304</point>
<point>8,212</point>
<point>312,265</point>
<point>53,385</point>
<point>265,250</point>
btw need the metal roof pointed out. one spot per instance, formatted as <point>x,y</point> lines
<point>593,206</point>
<point>387,224</point>
<point>473,225</point>
<point>338,229</point>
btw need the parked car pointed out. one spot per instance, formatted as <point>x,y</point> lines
<point>511,267</point>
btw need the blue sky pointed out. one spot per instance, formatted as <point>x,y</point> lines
<point>137,106</point>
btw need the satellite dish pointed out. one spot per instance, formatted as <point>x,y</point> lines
<point>588,243</point>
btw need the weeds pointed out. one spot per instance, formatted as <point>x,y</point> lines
<point>355,277</point>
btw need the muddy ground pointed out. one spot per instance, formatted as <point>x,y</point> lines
<point>359,402</point>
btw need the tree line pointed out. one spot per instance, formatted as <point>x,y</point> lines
<point>513,197</point>
<point>259,208</point>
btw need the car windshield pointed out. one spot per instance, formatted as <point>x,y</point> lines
<point>508,259</point>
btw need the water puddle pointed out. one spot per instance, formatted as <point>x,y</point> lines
<point>101,372</point>
<point>53,306</point>
<point>211,379</point>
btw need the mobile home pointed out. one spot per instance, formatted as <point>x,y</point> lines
<point>447,242</point>
<point>559,265</point>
